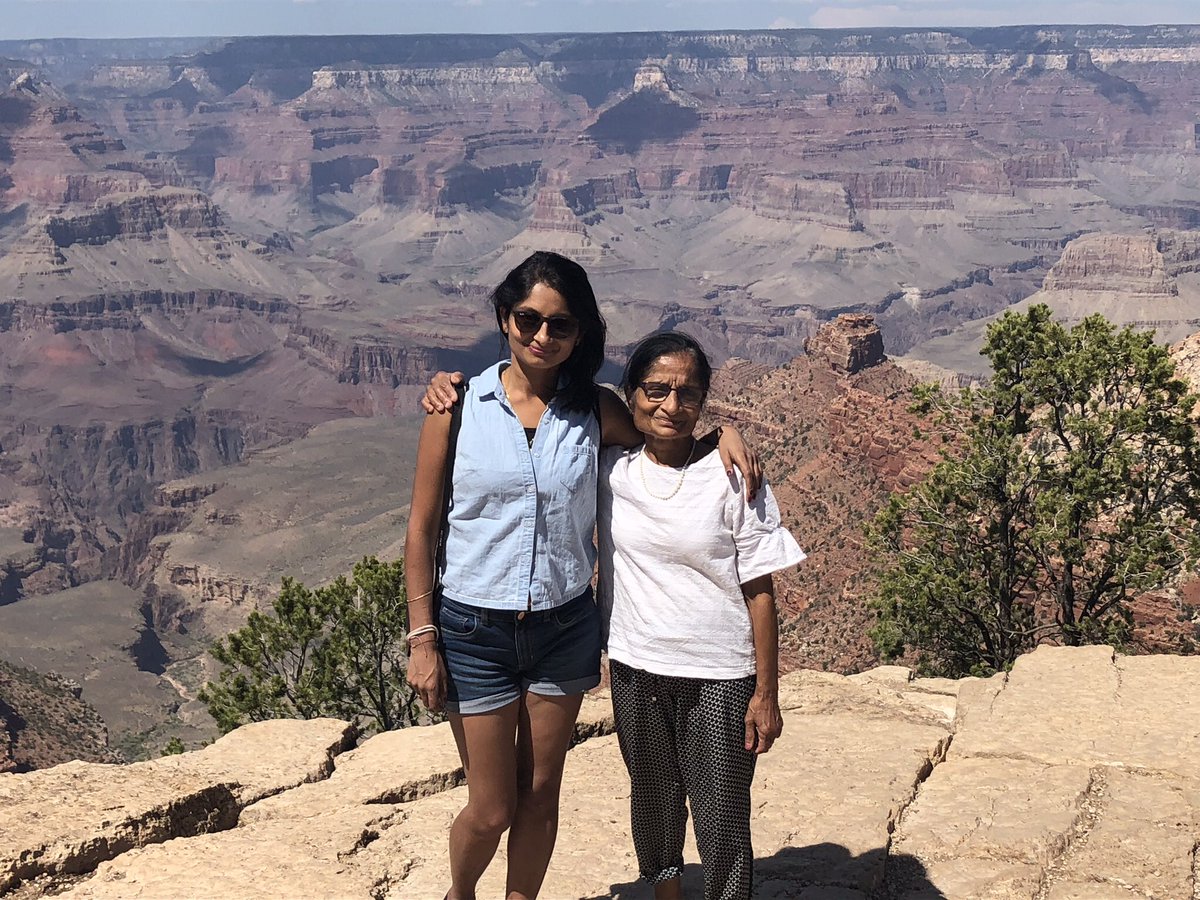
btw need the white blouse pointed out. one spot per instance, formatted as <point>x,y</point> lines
<point>671,569</point>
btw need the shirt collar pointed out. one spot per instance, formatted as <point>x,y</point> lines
<point>490,387</point>
<point>489,381</point>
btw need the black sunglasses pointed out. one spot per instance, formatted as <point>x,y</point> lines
<point>657,392</point>
<point>558,327</point>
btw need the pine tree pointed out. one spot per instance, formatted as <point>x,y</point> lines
<point>1070,486</point>
<point>331,651</point>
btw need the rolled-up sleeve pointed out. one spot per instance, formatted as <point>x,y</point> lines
<point>763,544</point>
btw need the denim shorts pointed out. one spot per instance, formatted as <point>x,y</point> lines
<point>493,656</point>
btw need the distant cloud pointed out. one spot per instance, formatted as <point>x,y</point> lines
<point>26,19</point>
<point>856,16</point>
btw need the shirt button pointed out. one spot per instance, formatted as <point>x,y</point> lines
<point>529,488</point>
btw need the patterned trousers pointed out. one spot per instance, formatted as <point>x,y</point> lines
<point>685,738</point>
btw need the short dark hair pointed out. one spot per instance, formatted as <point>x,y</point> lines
<point>665,343</point>
<point>569,279</point>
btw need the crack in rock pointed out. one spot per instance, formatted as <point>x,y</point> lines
<point>996,696</point>
<point>210,809</point>
<point>365,839</point>
<point>437,783</point>
<point>381,888</point>
<point>1196,871</point>
<point>1091,806</point>
<point>932,761</point>
<point>1120,679</point>
<point>896,871</point>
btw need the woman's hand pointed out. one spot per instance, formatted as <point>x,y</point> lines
<point>764,722</point>
<point>736,453</point>
<point>427,674</point>
<point>441,395</point>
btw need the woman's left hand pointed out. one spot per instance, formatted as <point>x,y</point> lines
<point>736,453</point>
<point>764,722</point>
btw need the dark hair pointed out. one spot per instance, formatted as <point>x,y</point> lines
<point>569,279</point>
<point>665,343</point>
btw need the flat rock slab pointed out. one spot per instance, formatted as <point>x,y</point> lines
<point>825,799</point>
<point>1088,706</point>
<point>265,758</point>
<point>398,767</point>
<point>1139,840</point>
<point>67,819</point>
<point>1074,777</point>
<point>282,858</point>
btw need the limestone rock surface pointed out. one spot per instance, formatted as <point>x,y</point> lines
<point>65,820</point>
<point>1074,777</point>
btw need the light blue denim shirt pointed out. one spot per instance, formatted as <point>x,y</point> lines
<point>521,518</point>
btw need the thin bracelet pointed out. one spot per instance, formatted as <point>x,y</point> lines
<point>420,596</point>
<point>424,629</point>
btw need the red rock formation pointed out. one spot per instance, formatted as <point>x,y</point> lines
<point>850,343</point>
<point>1187,363</point>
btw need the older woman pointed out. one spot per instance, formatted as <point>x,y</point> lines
<point>685,578</point>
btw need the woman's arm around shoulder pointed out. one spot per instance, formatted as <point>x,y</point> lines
<point>442,392</point>
<point>737,454</point>
<point>616,423</point>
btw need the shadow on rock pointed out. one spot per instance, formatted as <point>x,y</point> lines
<point>815,872</point>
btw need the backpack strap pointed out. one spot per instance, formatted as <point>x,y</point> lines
<point>456,413</point>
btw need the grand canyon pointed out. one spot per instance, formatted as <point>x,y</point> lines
<point>228,266</point>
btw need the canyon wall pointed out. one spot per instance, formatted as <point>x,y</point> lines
<point>221,255</point>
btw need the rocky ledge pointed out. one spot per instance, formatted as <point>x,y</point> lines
<point>1075,776</point>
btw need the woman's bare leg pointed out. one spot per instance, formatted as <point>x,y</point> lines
<point>543,736</point>
<point>487,747</point>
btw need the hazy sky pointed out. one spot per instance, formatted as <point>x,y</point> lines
<point>142,18</point>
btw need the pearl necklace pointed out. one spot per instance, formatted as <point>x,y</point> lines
<point>678,484</point>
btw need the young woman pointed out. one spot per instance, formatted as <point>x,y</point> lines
<point>513,641</point>
<point>685,579</point>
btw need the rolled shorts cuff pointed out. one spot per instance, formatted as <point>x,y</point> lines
<point>562,688</point>
<point>541,688</point>
<point>480,705</point>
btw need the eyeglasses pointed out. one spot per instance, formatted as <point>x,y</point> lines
<point>558,327</point>
<point>657,392</point>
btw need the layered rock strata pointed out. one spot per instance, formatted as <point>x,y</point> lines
<point>953,152</point>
